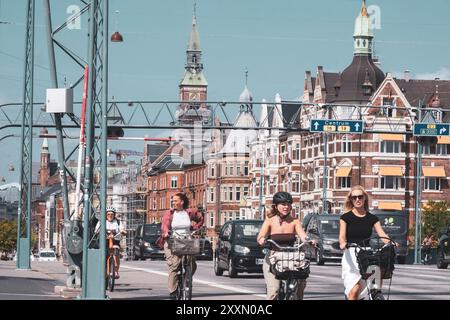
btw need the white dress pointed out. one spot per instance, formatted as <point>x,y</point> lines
<point>350,272</point>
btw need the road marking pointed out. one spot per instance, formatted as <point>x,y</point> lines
<point>208,283</point>
<point>28,294</point>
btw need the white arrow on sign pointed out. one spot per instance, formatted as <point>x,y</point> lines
<point>357,126</point>
<point>443,130</point>
<point>316,125</point>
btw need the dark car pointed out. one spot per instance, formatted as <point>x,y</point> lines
<point>395,224</point>
<point>144,246</point>
<point>206,251</point>
<point>237,249</point>
<point>443,249</point>
<point>324,229</point>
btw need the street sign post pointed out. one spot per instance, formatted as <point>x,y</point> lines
<point>337,126</point>
<point>432,129</point>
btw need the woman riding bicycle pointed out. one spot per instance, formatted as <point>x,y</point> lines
<point>282,228</point>
<point>180,221</point>
<point>355,227</point>
<point>113,227</point>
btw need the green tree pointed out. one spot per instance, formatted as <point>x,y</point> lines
<point>8,235</point>
<point>435,217</point>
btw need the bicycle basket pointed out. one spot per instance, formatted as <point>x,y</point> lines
<point>384,258</point>
<point>185,246</point>
<point>285,264</point>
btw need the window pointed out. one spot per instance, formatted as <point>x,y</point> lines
<point>173,182</point>
<point>230,193</point>
<point>387,146</point>
<point>345,182</point>
<point>296,155</point>
<point>390,182</point>
<point>246,168</point>
<point>231,169</point>
<point>346,145</point>
<point>441,149</point>
<point>238,193</point>
<point>213,171</point>
<point>432,184</point>
<point>388,107</point>
<point>211,219</point>
<point>245,192</point>
<point>226,169</point>
<point>211,194</point>
<point>154,203</point>
<point>238,169</point>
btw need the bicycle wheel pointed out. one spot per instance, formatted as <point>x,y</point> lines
<point>377,295</point>
<point>282,291</point>
<point>291,289</point>
<point>111,275</point>
<point>187,281</point>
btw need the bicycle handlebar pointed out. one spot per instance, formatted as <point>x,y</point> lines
<point>281,248</point>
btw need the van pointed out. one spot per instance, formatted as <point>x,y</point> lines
<point>324,229</point>
<point>237,249</point>
<point>144,246</point>
<point>47,255</point>
<point>443,249</point>
<point>395,223</point>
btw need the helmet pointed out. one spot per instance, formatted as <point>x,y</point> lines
<point>111,209</point>
<point>281,197</point>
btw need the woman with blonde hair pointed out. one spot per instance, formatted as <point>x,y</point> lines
<point>356,227</point>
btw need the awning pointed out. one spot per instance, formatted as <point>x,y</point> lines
<point>443,140</point>
<point>391,171</point>
<point>391,137</point>
<point>389,205</point>
<point>343,172</point>
<point>434,172</point>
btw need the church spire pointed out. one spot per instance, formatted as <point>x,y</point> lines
<point>363,35</point>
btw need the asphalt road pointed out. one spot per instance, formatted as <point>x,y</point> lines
<point>148,280</point>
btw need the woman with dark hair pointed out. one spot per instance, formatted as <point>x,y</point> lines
<point>181,221</point>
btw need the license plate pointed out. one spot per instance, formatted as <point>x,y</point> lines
<point>259,261</point>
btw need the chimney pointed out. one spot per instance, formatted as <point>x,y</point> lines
<point>407,75</point>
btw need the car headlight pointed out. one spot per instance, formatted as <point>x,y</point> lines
<point>241,249</point>
<point>328,242</point>
<point>146,244</point>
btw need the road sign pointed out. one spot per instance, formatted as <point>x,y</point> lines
<point>432,129</point>
<point>337,126</point>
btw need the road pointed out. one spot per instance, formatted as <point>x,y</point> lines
<point>148,280</point>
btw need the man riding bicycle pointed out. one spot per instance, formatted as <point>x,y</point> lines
<point>280,226</point>
<point>113,227</point>
<point>180,221</point>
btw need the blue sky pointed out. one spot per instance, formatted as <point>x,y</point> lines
<point>277,41</point>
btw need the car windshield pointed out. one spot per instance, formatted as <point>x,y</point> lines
<point>329,226</point>
<point>393,224</point>
<point>247,230</point>
<point>152,230</point>
<point>47,254</point>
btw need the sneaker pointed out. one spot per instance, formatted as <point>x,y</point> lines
<point>173,296</point>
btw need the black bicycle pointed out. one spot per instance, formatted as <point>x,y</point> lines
<point>289,264</point>
<point>375,262</point>
<point>186,247</point>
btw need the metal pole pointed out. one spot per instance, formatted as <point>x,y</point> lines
<point>261,175</point>
<point>24,208</point>
<point>325,174</point>
<point>418,218</point>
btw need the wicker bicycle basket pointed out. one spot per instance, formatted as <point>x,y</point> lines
<point>185,246</point>
<point>383,258</point>
<point>286,265</point>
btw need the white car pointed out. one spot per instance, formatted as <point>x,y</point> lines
<point>47,255</point>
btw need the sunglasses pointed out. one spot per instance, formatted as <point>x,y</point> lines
<point>359,197</point>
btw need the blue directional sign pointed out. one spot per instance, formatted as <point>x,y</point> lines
<point>432,129</point>
<point>337,126</point>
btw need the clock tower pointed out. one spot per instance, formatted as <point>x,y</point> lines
<point>193,86</point>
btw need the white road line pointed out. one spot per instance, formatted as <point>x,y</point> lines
<point>28,294</point>
<point>208,283</point>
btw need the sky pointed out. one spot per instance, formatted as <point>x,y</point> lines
<point>276,41</point>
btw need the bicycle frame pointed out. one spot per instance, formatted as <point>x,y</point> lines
<point>111,264</point>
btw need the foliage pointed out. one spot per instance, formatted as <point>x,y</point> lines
<point>8,235</point>
<point>435,217</point>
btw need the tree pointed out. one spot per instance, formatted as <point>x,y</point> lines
<point>435,217</point>
<point>8,235</point>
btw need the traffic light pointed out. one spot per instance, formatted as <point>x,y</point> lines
<point>115,132</point>
<point>427,141</point>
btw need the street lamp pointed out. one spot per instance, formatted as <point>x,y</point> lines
<point>116,37</point>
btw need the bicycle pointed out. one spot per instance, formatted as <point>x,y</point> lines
<point>375,264</point>
<point>289,264</point>
<point>186,247</point>
<point>113,254</point>
<point>426,254</point>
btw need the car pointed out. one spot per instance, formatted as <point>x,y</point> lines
<point>47,255</point>
<point>395,224</point>
<point>237,250</point>
<point>443,249</point>
<point>144,246</point>
<point>206,252</point>
<point>324,229</point>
